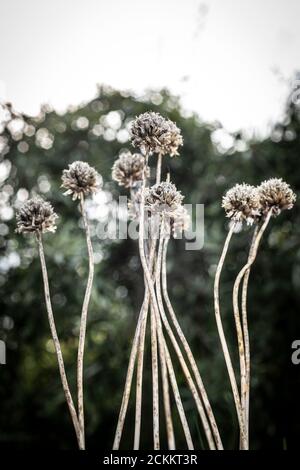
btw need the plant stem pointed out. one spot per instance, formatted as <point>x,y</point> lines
<point>246,267</point>
<point>178,401</point>
<point>129,375</point>
<point>229,366</point>
<point>83,320</point>
<point>155,388</point>
<point>245,388</point>
<point>172,376</point>
<point>177,349</point>
<point>167,407</point>
<point>188,351</point>
<point>140,361</point>
<point>158,168</point>
<point>57,346</point>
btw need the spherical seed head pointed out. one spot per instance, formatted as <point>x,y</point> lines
<point>163,198</point>
<point>129,168</point>
<point>277,195</point>
<point>242,203</point>
<point>80,179</point>
<point>36,215</point>
<point>152,133</point>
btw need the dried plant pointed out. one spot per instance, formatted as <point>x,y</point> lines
<point>275,195</point>
<point>161,204</point>
<point>37,216</point>
<point>152,133</point>
<point>241,204</point>
<point>81,180</point>
<point>129,168</point>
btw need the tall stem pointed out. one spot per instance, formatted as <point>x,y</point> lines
<point>83,321</point>
<point>229,366</point>
<point>129,374</point>
<point>167,406</point>
<point>188,351</point>
<point>140,361</point>
<point>177,349</point>
<point>155,388</point>
<point>172,376</point>
<point>245,388</point>
<point>56,342</point>
<point>246,267</point>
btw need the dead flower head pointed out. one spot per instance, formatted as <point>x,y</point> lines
<point>242,203</point>
<point>152,133</point>
<point>129,168</point>
<point>277,195</point>
<point>80,179</point>
<point>36,215</point>
<point>163,198</point>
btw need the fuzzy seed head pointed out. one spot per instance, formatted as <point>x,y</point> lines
<point>80,179</point>
<point>152,133</point>
<point>277,195</point>
<point>163,198</point>
<point>242,203</point>
<point>129,168</point>
<point>36,215</point>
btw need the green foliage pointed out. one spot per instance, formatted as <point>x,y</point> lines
<point>33,410</point>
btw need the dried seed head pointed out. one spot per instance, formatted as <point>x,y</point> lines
<point>163,198</point>
<point>129,168</point>
<point>80,179</point>
<point>36,215</point>
<point>242,203</point>
<point>152,133</point>
<point>277,195</point>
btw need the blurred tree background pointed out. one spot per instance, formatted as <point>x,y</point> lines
<point>34,151</point>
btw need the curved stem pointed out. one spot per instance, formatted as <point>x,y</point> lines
<point>188,351</point>
<point>246,267</point>
<point>140,362</point>
<point>139,383</point>
<point>177,349</point>
<point>129,375</point>
<point>167,406</point>
<point>229,366</point>
<point>245,388</point>
<point>178,401</point>
<point>56,342</point>
<point>83,321</point>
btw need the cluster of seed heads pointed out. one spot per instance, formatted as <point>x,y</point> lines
<point>246,203</point>
<point>129,169</point>
<point>152,133</point>
<point>80,179</point>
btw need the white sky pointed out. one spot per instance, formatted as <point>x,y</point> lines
<point>219,55</point>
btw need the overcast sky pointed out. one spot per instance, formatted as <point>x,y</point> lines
<point>228,59</point>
